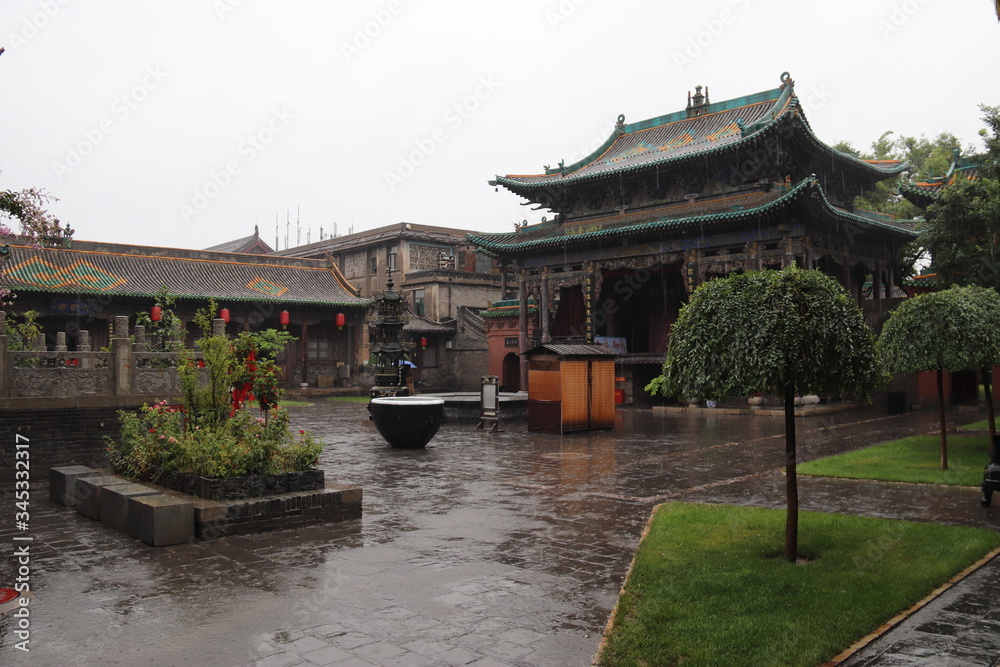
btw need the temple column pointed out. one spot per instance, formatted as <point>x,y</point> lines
<point>752,251</point>
<point>588,301</point>
<point>522,327</point>
<point>543,307</point>
<point>690,269</point>
<point>788,258</point>
<point>877,283</point>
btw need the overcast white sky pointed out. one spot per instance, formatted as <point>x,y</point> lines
<point>184,123</point>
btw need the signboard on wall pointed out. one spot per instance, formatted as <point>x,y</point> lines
<point>613,343</point>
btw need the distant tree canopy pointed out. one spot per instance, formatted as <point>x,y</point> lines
<point>23,214</point>
<point>927,158</point>
<point>962,228</point>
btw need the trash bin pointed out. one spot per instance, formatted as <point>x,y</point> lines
<point>896,402</point>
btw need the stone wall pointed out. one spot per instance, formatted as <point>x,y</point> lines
<point>56,437</point>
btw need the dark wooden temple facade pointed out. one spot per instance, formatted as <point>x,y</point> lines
<point>668,203</point>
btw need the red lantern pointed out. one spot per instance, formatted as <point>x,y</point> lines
<point>154,313</point>
<point>284,318</point>
<point>340,319</point>
<point>423,342</point>
<point>224,315</point>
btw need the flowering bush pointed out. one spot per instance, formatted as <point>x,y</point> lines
<point>213,433</point>
<point>160,438</point>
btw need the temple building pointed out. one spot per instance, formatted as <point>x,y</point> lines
<point>670,202</point>
<point>81,286</point>
<point>445,282</point>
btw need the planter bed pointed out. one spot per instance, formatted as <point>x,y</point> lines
<point>330,503</point>
<point>240,488</point>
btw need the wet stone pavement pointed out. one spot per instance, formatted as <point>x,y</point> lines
<point>483,549</point>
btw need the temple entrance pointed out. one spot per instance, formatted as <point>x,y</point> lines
<point>640,305</point>
<point>511,380</point>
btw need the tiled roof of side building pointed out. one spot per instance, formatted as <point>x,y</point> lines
<point>137,271</point>
<point>677,136</point>
<point>710,210</point>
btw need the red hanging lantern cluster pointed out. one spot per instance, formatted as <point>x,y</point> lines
<point>155,313</point>
<point>423,342</point>
<point>340,320</point>
<point>284,317</point>
<point>224,315</point>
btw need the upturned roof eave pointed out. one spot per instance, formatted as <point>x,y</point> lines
<point>787,107</point>
<point>500,249</point>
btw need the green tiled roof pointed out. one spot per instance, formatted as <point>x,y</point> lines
<point>137,271</point>
<point>675,137</point>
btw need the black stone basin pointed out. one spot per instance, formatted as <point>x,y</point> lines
<point>407,422</point>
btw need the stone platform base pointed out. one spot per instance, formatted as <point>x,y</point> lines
<point>210,519</point>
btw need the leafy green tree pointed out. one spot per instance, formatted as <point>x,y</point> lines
<point>787,332</point>
<point>952,330</point>
<point>962,233</point>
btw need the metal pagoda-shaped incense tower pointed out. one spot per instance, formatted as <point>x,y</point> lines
<point>388,350</point>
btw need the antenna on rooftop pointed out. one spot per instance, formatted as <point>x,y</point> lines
<point>288,223</point>
<point>298,228</point>
<point>276,247</point>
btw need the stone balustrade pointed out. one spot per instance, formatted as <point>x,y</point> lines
<point>126,374</point>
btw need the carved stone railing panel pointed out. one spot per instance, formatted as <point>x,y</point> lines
<point>61,381</point>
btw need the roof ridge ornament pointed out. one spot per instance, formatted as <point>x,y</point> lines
<point>787,80</point>
<point>697,103</point>
<point>620,125</point>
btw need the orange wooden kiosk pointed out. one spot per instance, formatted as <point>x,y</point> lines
<point>571,387</point>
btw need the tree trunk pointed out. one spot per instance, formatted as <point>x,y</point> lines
<point>944,432</point>
<point>791,485</point>
<point>987,374</point>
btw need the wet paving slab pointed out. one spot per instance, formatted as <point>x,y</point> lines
<point>484,549</point>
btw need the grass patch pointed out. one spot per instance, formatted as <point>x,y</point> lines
<point>292,404</point>
<point>914,459</point>
<point>709,587</point>
<point>349,399</point>
<point>982,425</point>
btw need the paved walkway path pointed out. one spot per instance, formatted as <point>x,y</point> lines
<point>502,549</point>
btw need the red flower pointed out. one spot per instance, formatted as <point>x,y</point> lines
<point>152,430</point>
<point>301,432</point>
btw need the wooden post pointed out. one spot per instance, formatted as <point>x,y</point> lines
<point>543,307</point>
<point>522,328</point>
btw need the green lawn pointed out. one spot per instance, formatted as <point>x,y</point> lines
<point>349,399</point>
<point>913,459</point>
<point>982,425</point>
<point>292,404</point>
<point>709,587</point>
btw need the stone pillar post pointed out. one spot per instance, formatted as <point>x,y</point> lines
<point>83,345</point>
<point>543,307</point>
<point>40,345</point>
<point>121,347</point>
<point>522,328</point>
<point>61,341</point>
<point>140,338</point>
<point>218,327</point>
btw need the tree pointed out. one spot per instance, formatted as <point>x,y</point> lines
<point>952,330</point>
<point>787,332</point>
<point>961,231</point>
<point>25,209</point>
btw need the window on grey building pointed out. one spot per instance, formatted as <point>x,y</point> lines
<point>374,266</point>
<point>418,302</point>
